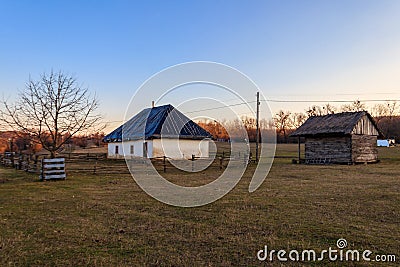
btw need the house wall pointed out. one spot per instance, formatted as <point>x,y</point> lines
<point>328,149</point>
<point>111,150</point>
<point>156,148</point>
<point>364,148</point>
<point>349,149</point>
<point>126,148</point>
<point>187,148</point>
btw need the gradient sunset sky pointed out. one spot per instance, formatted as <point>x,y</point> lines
<point>307,50</point>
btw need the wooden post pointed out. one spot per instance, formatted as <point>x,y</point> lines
<point>257,124</point>
<point>35,163</point>
<point>299,148</point>
<point>28,158</point>
<point>94,168</point>
<point>221,161</point>
<point>164,163</point>
<point>12,160</point>
<point>20,162</point>
<point>42,171</point>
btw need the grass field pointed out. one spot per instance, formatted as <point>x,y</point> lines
<point>107,220</point>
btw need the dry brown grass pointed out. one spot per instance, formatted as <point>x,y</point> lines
<point>108,220</point>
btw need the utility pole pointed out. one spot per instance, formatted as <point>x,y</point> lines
<point>257,124</point>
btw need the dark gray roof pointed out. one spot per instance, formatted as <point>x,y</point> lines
<point>154,122</point>
<point>332,124</point>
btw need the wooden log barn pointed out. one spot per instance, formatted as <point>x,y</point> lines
<point>342,138</point>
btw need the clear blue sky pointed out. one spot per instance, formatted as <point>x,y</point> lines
<point>292,49</point>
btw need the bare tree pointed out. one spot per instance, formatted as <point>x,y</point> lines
<point>282,122</point>
<point>379,111</point>
<point>267,124</point>
<point>355,106</point>
<point>52,110</point>
<point>297,119</point>
<point>329,109</point>
<point>315,111</point>
<point>392,109</point>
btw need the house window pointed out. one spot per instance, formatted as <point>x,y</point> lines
<point>116,150</point>
<point>132,149</point>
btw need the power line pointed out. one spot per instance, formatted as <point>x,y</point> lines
<point>233,105</point>
<point>336,94</point>
<point>296,101</point>
<point>284,101</point>
<point>331,101</point>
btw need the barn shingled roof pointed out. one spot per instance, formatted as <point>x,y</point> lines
<point>332,124</point>
<point>149,123</point>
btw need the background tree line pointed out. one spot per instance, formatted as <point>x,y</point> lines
<point>22,142</point>
<point>284,122</point>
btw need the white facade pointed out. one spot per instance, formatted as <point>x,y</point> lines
<point>172,148</point>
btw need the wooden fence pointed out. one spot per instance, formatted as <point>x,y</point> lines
<point>98,164</point>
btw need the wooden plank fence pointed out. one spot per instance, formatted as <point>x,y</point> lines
<point>53,169</point>
<point>98,164</point>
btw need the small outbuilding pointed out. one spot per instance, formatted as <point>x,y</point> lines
<point>383,143</point>
<point>157,132</point>
<point>343,138</point>
<point>386,142</point>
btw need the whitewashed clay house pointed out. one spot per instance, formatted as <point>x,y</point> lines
<point>157,132</point>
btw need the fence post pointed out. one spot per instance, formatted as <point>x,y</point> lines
<point>12,160</point>
<point>35,163</point>
<point>28,162</point>
<point>94,168</point>
<point>20,162</point>
<point>42,171</point>
<point>164,164</point>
